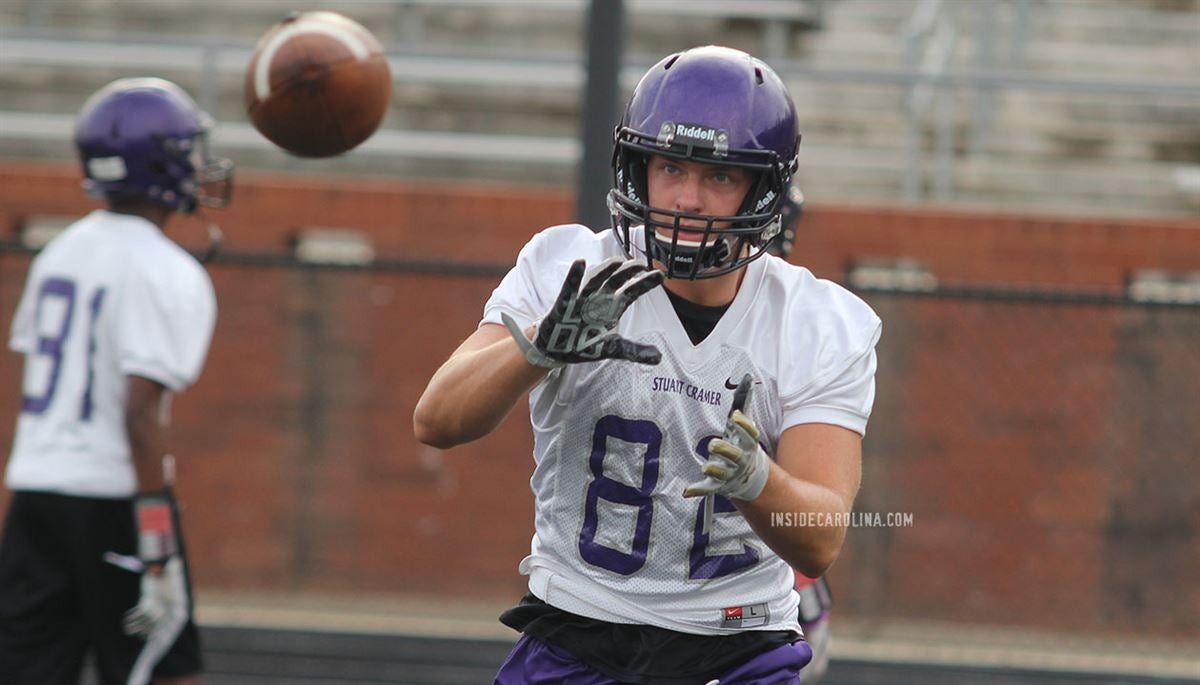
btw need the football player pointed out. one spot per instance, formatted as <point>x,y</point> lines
<point>660,553</point>
<point>115,318</point>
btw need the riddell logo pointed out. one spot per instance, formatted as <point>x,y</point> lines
<point>695,132</point>
<point>691,134</point>
<point>765,200</point>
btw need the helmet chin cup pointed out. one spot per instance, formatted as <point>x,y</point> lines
<point>688,261</point>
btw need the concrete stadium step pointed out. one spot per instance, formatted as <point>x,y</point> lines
<point>1044,126</point>
<point>855,133</point>
<point>1165,61</point>
<point>857,34</point>
<point>849,48</point>
<point>1129,188</point>
<point>524,25</point>
<point>1118,25</point>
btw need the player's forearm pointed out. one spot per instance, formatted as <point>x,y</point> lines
<point>811,549</point>
<point>147,445</point>
<point>146,430</point>
<point>472,393</point>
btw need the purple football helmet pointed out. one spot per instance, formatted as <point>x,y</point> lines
<point>146,139</point>
<point>714,105</point>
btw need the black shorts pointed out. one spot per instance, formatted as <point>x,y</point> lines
<point>59,598</point>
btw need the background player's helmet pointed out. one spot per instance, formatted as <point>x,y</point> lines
<point>789,217</point>
<point>714,105</point>
<point>146,139</point>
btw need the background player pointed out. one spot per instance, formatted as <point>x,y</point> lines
<point>114,319</point>
<point>654,557</point>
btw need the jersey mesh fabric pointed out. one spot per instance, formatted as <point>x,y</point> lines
<point>639,434</point>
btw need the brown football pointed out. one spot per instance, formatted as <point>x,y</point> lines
<point>318,84</point>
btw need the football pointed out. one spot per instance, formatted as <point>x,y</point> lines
<point>318,84</point>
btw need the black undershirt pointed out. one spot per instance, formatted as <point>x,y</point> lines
<point>643,654</point>
<point>697,319</point>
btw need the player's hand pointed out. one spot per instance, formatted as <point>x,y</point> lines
<point>737,466</point>
<point>164,601</point>
<point>581,325</point>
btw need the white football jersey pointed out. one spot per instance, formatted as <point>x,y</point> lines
<point>615,442</point>
<point>108,298</point>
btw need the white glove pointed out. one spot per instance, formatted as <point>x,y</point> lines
<point>737,466</point>
<point>163,604</point>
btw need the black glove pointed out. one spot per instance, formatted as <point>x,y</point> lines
<point>581,325</point>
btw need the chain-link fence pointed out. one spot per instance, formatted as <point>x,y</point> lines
<point>1045,445</point>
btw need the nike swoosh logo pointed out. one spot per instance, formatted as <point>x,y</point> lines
<point>733,386</point>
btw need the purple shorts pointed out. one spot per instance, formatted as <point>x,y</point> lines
<point>533,662</point>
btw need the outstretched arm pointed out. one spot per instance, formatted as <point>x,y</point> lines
<point>475,389</point>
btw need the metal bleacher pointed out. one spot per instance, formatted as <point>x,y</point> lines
<point>991,103</point>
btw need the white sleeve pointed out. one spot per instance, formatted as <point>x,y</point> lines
<point>839,387</point>
<point>845,400</point>
<point>165,325</point>
<point>531,286</point>
<point>23,334</point>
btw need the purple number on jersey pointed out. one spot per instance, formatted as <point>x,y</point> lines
<point>51,346</point>
<point>85,413</point>
<point>700,563</point>
<point>602,487</point>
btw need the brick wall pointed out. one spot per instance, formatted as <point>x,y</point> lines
<point>1022,438</point>
<point>489,223</point>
